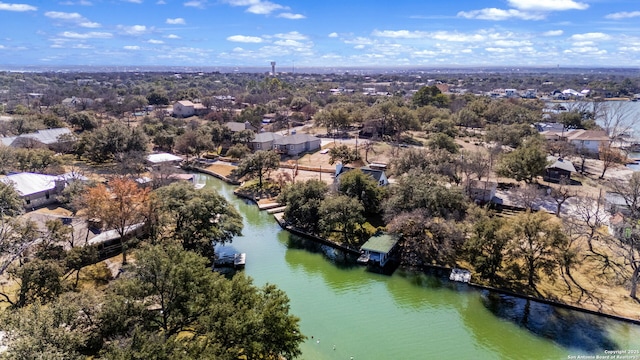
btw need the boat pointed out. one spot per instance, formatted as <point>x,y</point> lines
<point>460,275</point>
<point>239,260</point>
<point>363,258</point>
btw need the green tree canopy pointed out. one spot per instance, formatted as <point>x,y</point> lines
<point>343,214</point>
<point>302,201</point>
<point>258,165</point>
<point>197,218</point>
<point>524,163</point>
<point>430,95</point>
<point>11,203</point>
<point>362,187</point>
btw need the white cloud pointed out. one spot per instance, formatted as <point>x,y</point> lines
<point>133,30</point>
<point>82,46</point>
<point>81,3</point>
<point>261,7</point>
<point>591,50</point>
<point>90,24</point>
<point>333,35</point>
<point>289,42</point>
<point>512,43</point>
<point>131,47</point>
<point>583,43</point>
<point>623,15</point>
<point>400,34</point>
<point>73,17</point>
<point>500,14</point>
<point>293,35</point>
<point>553,33</point>
<point>89,35</point>
<point>245,39</point>
<point>200,4</point>
<point>17,7</point>
<point>63,15</point>
<point>264,8</point>
<point>594,36</point>
<point>133,1</point>
<point>291,16</point>
<point>172,36</point>
<point>547,5</point>
<point>176,21</point>
<point>154,41</point>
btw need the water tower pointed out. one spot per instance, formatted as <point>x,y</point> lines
<point>273,68</point>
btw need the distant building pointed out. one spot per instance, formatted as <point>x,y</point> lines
<point>186,108</point>
<point>559,170</point>
<point>54,139</point>
<point>588,141</point>
<point>296,144</point>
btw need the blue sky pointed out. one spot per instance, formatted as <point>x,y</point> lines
<point>350,33</point>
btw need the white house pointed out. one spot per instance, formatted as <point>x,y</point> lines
<point>163,158</point>
<point>36,189</point>
<point>186,108</point>
<point>51,138</point>
<point>377,174</point>
<point>296,144</point>
<point>588,141</point>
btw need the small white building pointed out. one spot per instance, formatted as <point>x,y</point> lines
<point>163,159</point>
<point>36,189</point>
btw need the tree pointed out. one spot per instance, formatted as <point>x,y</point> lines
<point>535,240</point>
<point>68,328</point>
<point>342,153</point>
<point>430,95</point>
<point>174,304</point>
<point>193,142</point>
<point>341,213</point>
<point>38,281</point>
<point>257,165</point>
<point>198,219</point>
<point>11,203</point>
<point>442,141</point>
<point>120,206</point>
<point>485,245</point>
<point>426,240</point>
<point>609,156</point>
<point>302,201</point>
<point>524,163</point>
<point>238,151</point>
<point>362,187</point>
<point>84,120</point>
<point>417,190</point>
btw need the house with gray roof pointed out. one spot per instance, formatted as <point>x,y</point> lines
<point>296,144</point>
<point>53,139</point>
<point>377,174</point>
<point>264,141</point>
<point>559,169</point>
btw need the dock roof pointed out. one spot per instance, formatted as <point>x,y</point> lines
<point>382,243</point>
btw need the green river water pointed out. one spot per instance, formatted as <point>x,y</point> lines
<point>346,311</point>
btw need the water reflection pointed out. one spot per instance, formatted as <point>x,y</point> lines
<point>571,329</point>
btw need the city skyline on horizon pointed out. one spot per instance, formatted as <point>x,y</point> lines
<point>331,34</point>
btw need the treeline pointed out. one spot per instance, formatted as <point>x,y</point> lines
<point>166,303</point>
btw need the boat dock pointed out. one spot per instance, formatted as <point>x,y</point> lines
<point>236,261</point>
<point>460,275</point>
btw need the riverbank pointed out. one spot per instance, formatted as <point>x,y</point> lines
<point>597,296</point>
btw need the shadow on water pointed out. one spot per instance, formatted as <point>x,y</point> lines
<point>340,259</point>
<point>571,329</point>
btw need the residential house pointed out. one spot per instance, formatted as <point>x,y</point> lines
<point>54,139</point>
<point>296,144</point>
<point>159,159</point>
<point>559,170</point>
<point>36,189</point>
<point>78,103</point>
<point>588,141</point>
<point>481,191</point>
<point>235,126</point>
<point>378,249</point>
<point>186,108</point>
<point>264,141</point>
<point>377,174</point>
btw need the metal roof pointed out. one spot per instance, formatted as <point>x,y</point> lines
<point>380,243</point>
<point>31,183</point>
<point>162,157</point>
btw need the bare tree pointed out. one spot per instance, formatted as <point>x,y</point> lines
<point>561,194</point>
